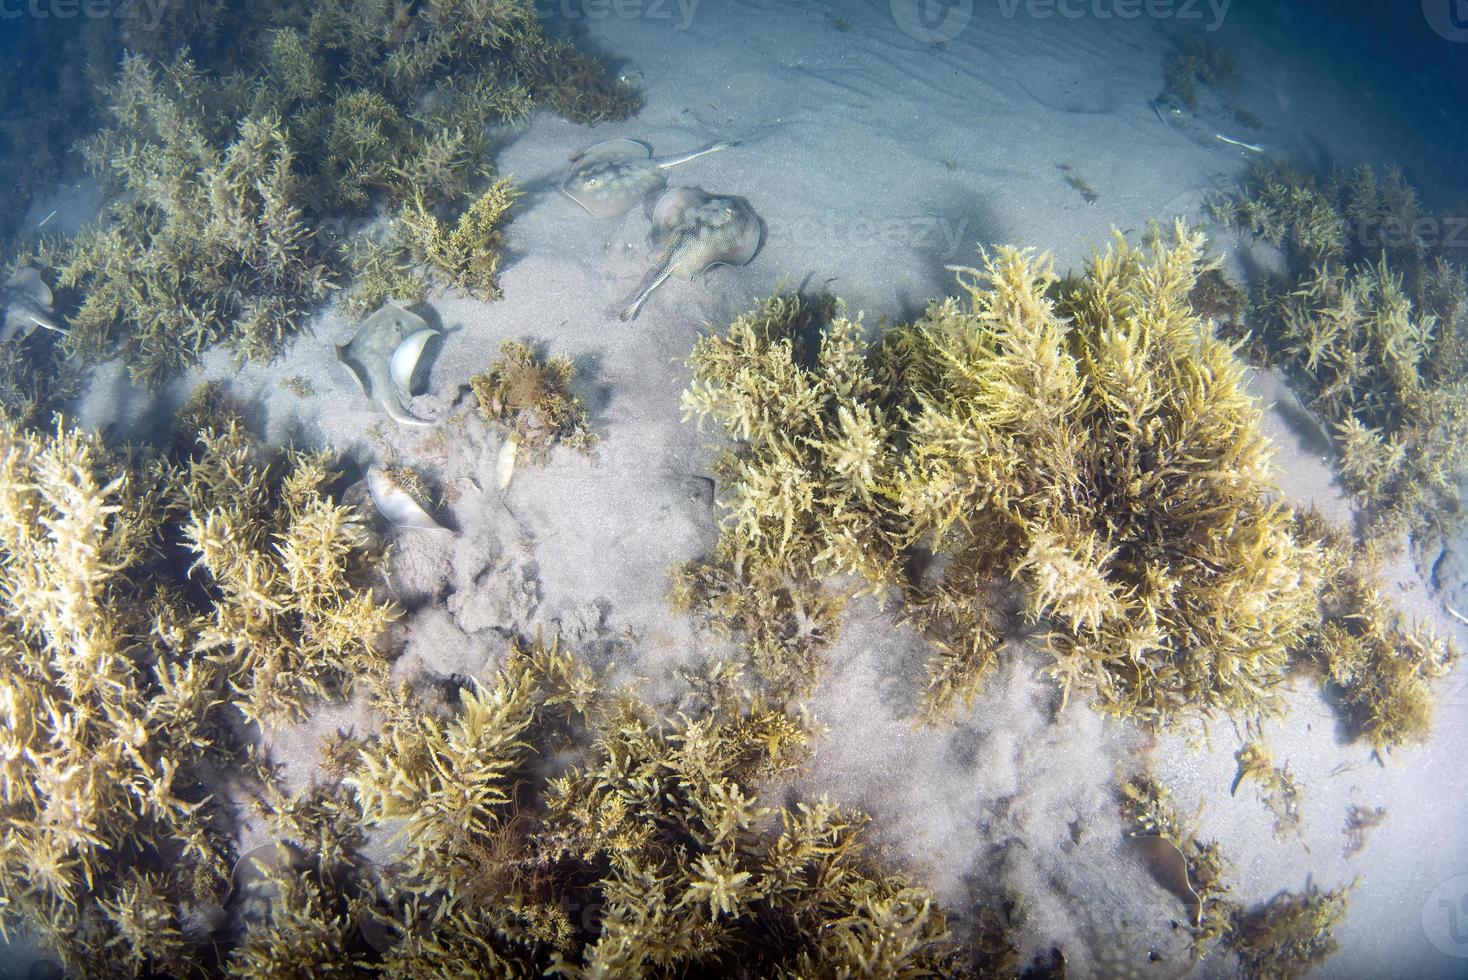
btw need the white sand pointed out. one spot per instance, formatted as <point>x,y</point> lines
<point>875,160</point>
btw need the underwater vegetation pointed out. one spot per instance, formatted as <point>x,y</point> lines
<point>1371,323</point>
<point>381,272</point>
<point>468,255</point>
<point>127,672</point>
<point>1193,870</point>
<point>1081,450</point>
<point>535,821</point>
<point>1290,934</point>
<point>1284,937</point>
<point>1379,668</point>
<point>205,239</point>
<point>1077,459</point>
<point>1099,449</point>
<point>640,850</point>
<point>531,397</point>
<point>1200,62</point>
<point>1276,785</point>
<point>790,383</point>
<point>217,179</point>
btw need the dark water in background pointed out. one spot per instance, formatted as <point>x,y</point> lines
<point>1413,53</point>
<point>1416,50</point>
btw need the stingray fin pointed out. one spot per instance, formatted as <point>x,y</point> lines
<point>405,358</point>
<point>398,412</point>
<point>609,150</point>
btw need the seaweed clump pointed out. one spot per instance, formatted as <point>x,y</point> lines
<point>1200,62</point>
<point>1284,937</point>
<point>1111,462</point>
<point>643,852</point>
<point>224,183</point>
<point>531,397</point>
<point>791,383</point>
<point>286,567</point>
<point>1084,450</point>
<point>1148,809</point>
<point>1380,667</point>
<point>469,254</point>
<point>1371,322</point>
<point>1289,935</point>
<point>205,238</point>
<point>119,671</point>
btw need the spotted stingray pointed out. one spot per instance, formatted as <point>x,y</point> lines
<point>611,178</point>
<point>695,231</point>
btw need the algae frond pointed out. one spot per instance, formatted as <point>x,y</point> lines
<point>223,184</point>
<point>531,397</point>
<point>120,666</point>
<point>643,850</point>
<point>1371,322</point>
<point>1085,447</point>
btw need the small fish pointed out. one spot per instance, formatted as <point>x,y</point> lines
<point>26,300</point>
<point>611,178</point>
<point>695,231</point>
<point>384,354</point>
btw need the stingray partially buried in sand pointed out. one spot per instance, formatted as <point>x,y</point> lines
<point>611,178</point>
<point>384,354</point>
<point>695,231</point>
<point>25,304</point>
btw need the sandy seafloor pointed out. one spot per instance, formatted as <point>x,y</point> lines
<point>875,160</point>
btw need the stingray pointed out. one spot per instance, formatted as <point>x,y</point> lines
<point>1170,867</point>
<point>383,356</point>
<point>611,178</point>
<point>695,231</point>
<point>26,300</point>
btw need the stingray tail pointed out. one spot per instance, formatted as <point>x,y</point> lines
<point>651,281</point>
<point>711,148</point>
<point>398,412</point>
